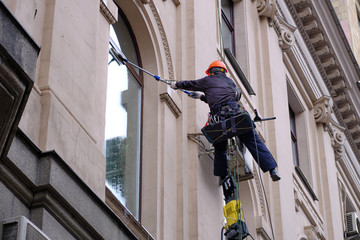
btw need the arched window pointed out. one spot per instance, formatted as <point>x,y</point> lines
<point>123,118</point>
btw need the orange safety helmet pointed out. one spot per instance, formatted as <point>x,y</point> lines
<point>216,63</point>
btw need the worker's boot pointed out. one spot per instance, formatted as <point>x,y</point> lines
<point>275,176</point>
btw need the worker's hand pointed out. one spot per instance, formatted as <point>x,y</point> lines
<point>173,85</point>
<point>195,95</point>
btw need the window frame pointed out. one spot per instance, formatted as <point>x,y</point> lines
<point>139,77</point>
<point>297,116</point>
<point>230,24</point>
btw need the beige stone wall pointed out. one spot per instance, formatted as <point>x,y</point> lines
<point>66,108</point>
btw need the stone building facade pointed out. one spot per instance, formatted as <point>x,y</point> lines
<point>92,149</point>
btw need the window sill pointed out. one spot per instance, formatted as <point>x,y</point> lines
<point>129,220</point>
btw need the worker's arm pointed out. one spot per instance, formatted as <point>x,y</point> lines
<point>192,85</point>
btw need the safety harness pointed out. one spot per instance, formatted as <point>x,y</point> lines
<point>227,121</point>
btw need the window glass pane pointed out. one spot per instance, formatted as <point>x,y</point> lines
<point>226,8</point>
<point>227,36</point>
<point>123,126</point>
<point>121,35</point>
<point>295,154</point>
<point>293,137</point>
<point>227,25</point>
<point>292,122</point>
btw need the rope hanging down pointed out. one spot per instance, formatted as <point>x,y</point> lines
<point>119,56</point>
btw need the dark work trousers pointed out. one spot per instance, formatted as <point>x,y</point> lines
<point>256,147</point>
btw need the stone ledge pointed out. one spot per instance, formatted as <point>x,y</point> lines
<point>53,186</point>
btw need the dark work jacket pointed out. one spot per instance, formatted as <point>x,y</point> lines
<point>219,90</point>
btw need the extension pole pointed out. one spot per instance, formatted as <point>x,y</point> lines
<point>121,56</point>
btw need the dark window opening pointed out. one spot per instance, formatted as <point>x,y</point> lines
<point>227,22</point>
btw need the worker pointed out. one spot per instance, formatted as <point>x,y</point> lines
<point>221,93</point>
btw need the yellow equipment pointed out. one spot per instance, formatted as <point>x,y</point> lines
<point>233,212</point>
<point>235,224</point>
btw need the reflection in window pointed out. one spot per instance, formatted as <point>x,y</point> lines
<point>123,121</point>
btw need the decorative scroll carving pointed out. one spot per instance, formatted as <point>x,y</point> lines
<point>266,8</point>
<point>165,97</point>
<point>322,110</point>
<point>285,32</point>
<point>163,38</point>
<point>337,139</point>
<point>107,13</point>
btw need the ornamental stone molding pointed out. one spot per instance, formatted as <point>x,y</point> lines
<point>165,97</point>
<point>322,110</point>
<point>337,139</point>
<point>285,31</point>
<point>266,8</point>
<point>260,194</point>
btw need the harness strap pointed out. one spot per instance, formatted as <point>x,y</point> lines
<point>223,126</point>
<point>220,107</point>
<point>233,128</point>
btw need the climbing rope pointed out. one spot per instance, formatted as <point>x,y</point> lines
<point>235,163</point>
